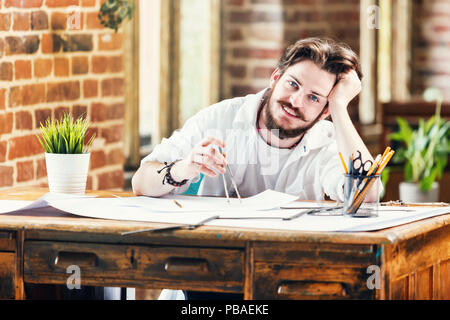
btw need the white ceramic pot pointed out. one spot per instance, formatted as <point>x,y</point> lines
<point>411,192</point>
<point>67,173</point>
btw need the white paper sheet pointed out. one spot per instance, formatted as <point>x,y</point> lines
<point>266,200</point>
<point>263,219</point>
<point>13,205</point>
<point>254,214</point>
<point>7,206</point>
<point>107,208</point>
<point>387,217</point>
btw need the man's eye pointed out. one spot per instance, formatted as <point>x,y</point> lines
<point>293,84</point>
<point>314,98</point>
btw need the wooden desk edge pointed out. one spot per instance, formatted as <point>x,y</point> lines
<point>384,236</point>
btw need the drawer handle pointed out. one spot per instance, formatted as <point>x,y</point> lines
<point>186,265</point>
<point>6,235</point>
<point>309,288</point>
<point>81,259</point>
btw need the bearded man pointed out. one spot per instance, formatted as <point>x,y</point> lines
<point>276,139</point>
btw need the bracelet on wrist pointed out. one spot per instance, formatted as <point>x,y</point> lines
<point>168,176</point>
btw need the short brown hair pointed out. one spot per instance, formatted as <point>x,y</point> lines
<point>326,53</point>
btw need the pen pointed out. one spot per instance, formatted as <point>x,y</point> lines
<point>301,207</point>
<point>177,203</point>
<point>175,227</point>
<point>316,210</point>
<point>193,226</point>
<point>299,214</point>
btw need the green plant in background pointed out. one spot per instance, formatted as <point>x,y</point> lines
<point>114,12</point>
<point>384,180</point>
<point>65,136</point>
<point>425,151</point>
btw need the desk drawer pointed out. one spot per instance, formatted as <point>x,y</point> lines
<point>296,281</point>
<point>7,264</point>
<point>312,271</point>
<point>7,272</point>
<point>7,241</point>
<point>159,267</point>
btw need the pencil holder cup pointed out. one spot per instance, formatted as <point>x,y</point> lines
<point>356,190</point>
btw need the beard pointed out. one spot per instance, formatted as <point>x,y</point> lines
<point>276,128</point>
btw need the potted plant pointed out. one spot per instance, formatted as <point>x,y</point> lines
<point>424,153</point>
<point>66,153</point>
<point>114,12</point>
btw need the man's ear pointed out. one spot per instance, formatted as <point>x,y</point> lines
<point>274,77</point>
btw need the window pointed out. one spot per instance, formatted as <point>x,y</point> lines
<point>179,64</point>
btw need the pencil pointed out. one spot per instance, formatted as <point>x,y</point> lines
<point>386,151</point>
<point>374,165</point>
<point>385,162</point>
<point>343,163</point>
<point>384,156</point>
<point>177,203</point>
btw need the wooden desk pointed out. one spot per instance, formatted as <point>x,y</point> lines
<point>414,259</point>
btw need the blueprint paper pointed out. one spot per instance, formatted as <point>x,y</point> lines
<point>7,206</point>
<point>265,200</point>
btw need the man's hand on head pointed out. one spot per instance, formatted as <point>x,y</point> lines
<point>347,87</point>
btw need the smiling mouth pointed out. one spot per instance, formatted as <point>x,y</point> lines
<point>289,111</point>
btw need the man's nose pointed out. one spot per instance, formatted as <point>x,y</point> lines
<point>296,98</point>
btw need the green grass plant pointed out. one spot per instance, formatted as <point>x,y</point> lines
<point>66,136</point>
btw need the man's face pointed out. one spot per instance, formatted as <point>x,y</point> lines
<point>298,98</point>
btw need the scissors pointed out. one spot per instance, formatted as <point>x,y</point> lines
<point>359,167</point>
<point>232,181</point>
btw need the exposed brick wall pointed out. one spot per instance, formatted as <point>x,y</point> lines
<point>51,62</point>
<point>431,46</point>
<point>255,33</point>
